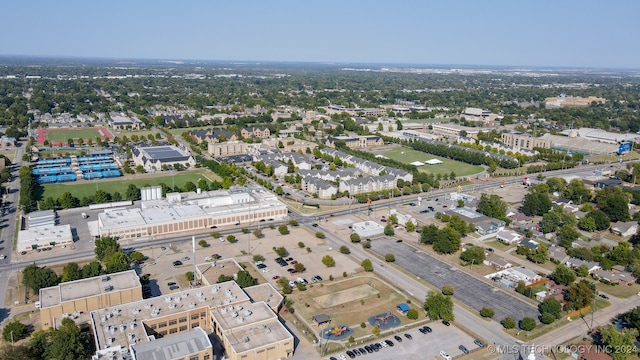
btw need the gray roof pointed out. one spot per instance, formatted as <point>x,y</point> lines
<point>177,346</point>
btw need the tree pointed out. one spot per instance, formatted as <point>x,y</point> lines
<point>281,251</point>
<point>550,222</point>
<point>508,322</point>
<point>116,263</point>
<point>203,243</point>
<point>536,203</point>
<point>473,255</point>
<point>224,278</point>
<point>601,219</point>
<point>105,247</point>
<point>258,257</point>
<point>563,275</point>
<point>582,271</point>
<point>619,344</point>
<point>37,278</point>
<point>388,230</point>
<point>439,306</point>
<point>587,223</point>
<point>577,192</point>
<point>527,323</point>
<point>448,241</point>
<point>492,206</point>
<point>429,234</point>
<point>579,295</point>
<point>13,331</point>
<point>487,312</point>
<point>389,258</point>
<point>547,318</point>
<point>556,184</point>
<point>92,269</point>
<point>448,290</point>
<point>71,272</point>
<point>613,202</point>
<point>299,267</point>
<point>328,261</point>
<point>567,234</point>
<point>283,229</point>
<point>258,233</point>
<point>551,306</point>
<point>320,235</point>
<point>231,239</point>
<point>344,249</point>
<point>132,193</point>
<point>245,280</point>
<point>367,265</point>
<point>67,342</point>
<point>539,256</point>
<point>410,227</point>
<point>355,238</point>
<point>412,314</point>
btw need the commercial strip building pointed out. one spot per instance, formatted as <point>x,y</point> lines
<point>76,298</point>
<point>191,211</point>
<point>42,232</point>
<point>180,326</point>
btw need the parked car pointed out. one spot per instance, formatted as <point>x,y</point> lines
<point>604,296</point>
<point>478,342</point>
<point>174,287</point>
<point>177,263</point>
<point>463,349</point>
<point>445,355</point>
<point>276,277</point>
<point>446,323</point>
<point>408,336</point>
<point>398,338</point>
<point>389,342</point>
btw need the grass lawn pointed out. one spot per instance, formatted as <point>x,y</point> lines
<point>82,188</point>
<point>408,156</point>
<point>620,291</point>
<point>10,154</point>
<point>61,153</point>
<point>62,135</point>
<point>347,310</point>
<point>178,132</point>
<point>497,244</point>
<point>611,158</point>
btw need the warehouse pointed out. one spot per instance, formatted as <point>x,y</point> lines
<point>192,211</point>
<point>44,236</point>
<point>157,158</point>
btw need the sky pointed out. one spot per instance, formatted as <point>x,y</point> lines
<point>558,33</point>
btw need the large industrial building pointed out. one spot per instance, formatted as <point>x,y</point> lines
<point>42,232</point>
<point>177,326</point>
<point>192,211</point>
<point>153,158</point>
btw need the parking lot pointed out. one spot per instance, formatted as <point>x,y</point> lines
<point>421,346</point>
<point>469,290</point>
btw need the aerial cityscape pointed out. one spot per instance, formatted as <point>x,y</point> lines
<point>280,194</point>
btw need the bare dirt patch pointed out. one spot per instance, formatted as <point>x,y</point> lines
<point>345,296</point>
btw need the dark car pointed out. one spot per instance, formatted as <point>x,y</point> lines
<point>423,330</point>
<point>350,354</point>
<point>356,352</point>
<point>389,342</point>
<point>604,296</point>
<point>174,287</point>
<point>446,323</point>
<point>376,347</point>
<point>369,349</point>
<point>171,283</point>
<point>490,250</point>
<point>398,338</point>
<point>332,358</point>
<point>177,263</point>
<point>427,329</point>
<point>463,349</point>
<point>315,225</point>
<point>478,342</point>
<point>288,259</point>
<point>362,351</point>
<point>261,266</point>
<point>408,336</point>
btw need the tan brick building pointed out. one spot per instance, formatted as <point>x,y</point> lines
<point>522,140</point>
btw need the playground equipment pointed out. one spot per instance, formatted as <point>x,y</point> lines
<point>381,320</point>
<point>337,331</point>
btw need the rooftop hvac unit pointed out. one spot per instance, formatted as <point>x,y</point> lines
<point>239,320</point>
<point>247,313</point>
<point>246,339</point>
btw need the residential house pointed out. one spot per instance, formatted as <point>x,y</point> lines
<point>576,263</point>
<point>368,184</point>
<point>614,278</point>
<point>562,201</point>
<point>213,135</point>
<point>531,244</point>
<point>625,228</point>
<point>279,169</point>
<point>558,254</point>
<point>262,132</point>
<point>497,262</point>
<point>507,236</point>
<point>601,184</point>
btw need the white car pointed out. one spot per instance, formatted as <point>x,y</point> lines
<point>266,270</point>
<point>383,344</point>
<point>2,257</point>
<point>445,355</point>
<point>342,357</point>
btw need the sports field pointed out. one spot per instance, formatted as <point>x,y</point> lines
<point>62,135</point>
<point>87,188</point>
<point>407,156</point>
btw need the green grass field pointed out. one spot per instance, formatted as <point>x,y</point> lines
<point>178,132</point>
<point>84,188</point>
<point>62,135</point>
<point>407,156</point>
<point>140,134</point>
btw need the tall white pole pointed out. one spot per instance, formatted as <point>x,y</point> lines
<point>193,246</point>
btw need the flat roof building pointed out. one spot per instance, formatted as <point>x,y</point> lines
<point>44,236</point>
<point>190,212</point>
<point>174,326</point>
<point>81,296</point>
